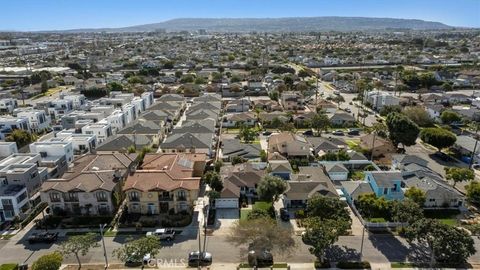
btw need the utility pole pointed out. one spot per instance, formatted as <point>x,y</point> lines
<point>102,227</point>
<point>472,157</point>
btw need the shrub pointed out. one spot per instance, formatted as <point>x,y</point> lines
<point>9,266</point>
<point>37,210</point>
<point>319,265</point>
<point>353,265</point>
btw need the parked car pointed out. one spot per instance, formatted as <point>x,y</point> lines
<point>348,110</point>
<point>45,237</point>
<point>267,133</point>
<point>476,166</point>
<point>284,215</point>
<point>338,133</point>
<point>163,234</point>
<point>260,257</point>
<point>308,133</point>
<point>353,132</point>
<point>444,157</point>
<point>133,262</point>
<point>196,258</point>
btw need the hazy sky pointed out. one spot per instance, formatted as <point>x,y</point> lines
<point>68,14</point>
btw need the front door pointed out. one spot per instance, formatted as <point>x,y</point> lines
<point>164,207</point>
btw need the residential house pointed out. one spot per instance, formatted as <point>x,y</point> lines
<point>379,99</point>
<point>336,171</point>
<point>242,178</point>
<point>147,128</point>
<point>38,119</point>
<point>292,101</point>
<point>165,182</point>
<point>342,119</point>
<point>353,189</point>
<point>93,186</point>
<point>308,182</point>
<point>238,105</point>
<point>189,143</point>
<point>289,144</point>
<point>322,145</point>
<point>380,147</point>
<point>231,148</point>
<point>7,105</point>
<point>266,105</point>
<point>238,119</point>
<point>102,130</point>
<point>280,168</point>
<point>387,184</point>
<point>466,145</point>
<point>52,150</point>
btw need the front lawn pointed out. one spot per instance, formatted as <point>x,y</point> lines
<point>377,220</point>
<point>445,216</point>
<point>263,205</point>
<point>244,213</point>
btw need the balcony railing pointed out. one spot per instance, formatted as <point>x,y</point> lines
<point>165,198</point>
<point>181,198</point>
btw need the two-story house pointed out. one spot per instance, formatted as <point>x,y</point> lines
<point>93,186</point>
<point>165,182</point>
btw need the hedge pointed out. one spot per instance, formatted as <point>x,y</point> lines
<point>37,210</point>
<point>9,266</point>
<point>353,265</point>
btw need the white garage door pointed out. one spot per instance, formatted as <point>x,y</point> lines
<point>226,203</point>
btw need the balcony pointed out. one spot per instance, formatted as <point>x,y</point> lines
<point>165,198</point>
<point>181,198</point>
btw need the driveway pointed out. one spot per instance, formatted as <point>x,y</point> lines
<point>225,219</point>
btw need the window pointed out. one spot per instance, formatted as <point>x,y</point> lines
<point>102,196</point>
<point>134,196</point>
<point>431,200</point>
<point>71,196</point>
<point>54,197</point>
<point>385,191</point>
<point>8,214</point>
<point>22,197</point>
<point>6,202</point>
<point>181,195</point>
<point>4,180</point>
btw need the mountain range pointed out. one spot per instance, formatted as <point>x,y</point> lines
<point>293,24</point>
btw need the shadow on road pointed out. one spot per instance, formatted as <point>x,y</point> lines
<point>390,247</point>
<point>342,253</point>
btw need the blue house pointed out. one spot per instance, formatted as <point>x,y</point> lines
<point>386,184</point>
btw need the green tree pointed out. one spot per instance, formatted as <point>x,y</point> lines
<point>321,234</point>
<point>51,261</point>
<point>386,110</point>
<point>418,115</point>
<point>459,174</point>
<point>449,117</point>
<point>21,137</point>
<point>270,187</point>
<point>262,233</point>
<point>447,244</point>
<point>417,195</point>
<point>372,206</point>
<point>473,192</point>
<point>263,156</point>
<point>427,79</point>
<point>320,122</point>
<point>178,74</point>
<point>406,211</point>
<point>303,73</point>
<point>258,213</point>
<point>115,86</point>
<point>401,129</point>
<point>135,250</point>
<point>247,134</point>
<point>200,80</point>
<point>213,180</point>
<point>327,208</point>
<point>79,245</point>
<point>217,165</point>
<point>44,86</point>
<point>438,137</point>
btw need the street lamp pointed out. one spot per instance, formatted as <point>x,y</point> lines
<point>102,227</point>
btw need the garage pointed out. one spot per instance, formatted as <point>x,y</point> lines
<point>226,203</point>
